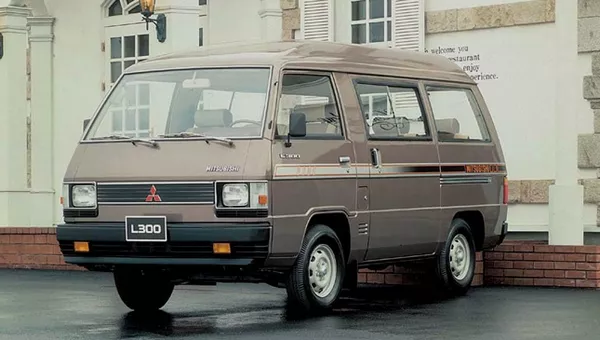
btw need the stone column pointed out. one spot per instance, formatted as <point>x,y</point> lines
<point>566,195</point>
<point>183,21</point>
<point>271,19</point>
<point>43,198</point>
<point>14,194</point>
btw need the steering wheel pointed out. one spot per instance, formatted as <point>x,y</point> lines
<point>245,121</point>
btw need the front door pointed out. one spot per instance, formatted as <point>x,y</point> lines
<point>315,173</point>
<point>404,170</point>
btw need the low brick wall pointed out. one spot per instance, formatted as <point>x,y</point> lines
<point>411,274</point>
<point>31,248</point>
<point>514,263</point>
<point>538,264</point>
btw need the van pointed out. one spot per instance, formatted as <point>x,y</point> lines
<point>288,163</point>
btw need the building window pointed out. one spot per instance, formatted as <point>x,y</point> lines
<point>202,2</point>
<point>201,36</point>
<point>126,51</point>
<point>371,21</point>
<point>132,118</point>
<point>123,7</point>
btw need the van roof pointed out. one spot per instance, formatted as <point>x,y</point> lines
<point>312,55</point>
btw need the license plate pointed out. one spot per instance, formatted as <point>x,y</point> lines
<point>146,228</point>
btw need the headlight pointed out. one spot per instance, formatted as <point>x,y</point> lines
<point>83,195</point>
<point>235,195</point>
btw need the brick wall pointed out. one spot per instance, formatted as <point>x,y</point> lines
<point>411,274</point>
<point>514,263</point>
<point>31,248</point>
<point>538,264</point>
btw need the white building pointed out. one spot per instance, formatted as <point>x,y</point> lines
<point>530,57</point>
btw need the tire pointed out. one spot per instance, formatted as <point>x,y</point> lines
<point>142,291</point>
<point>455,263</point>
<point>305,294</point>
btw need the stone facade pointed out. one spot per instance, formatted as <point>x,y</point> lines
<point>589,144</point>
<point>494,16</point>
<point>291,18</point>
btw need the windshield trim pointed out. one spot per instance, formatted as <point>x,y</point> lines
<point>84,137</point>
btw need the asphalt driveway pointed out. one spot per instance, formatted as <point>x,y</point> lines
<point>83,305</point>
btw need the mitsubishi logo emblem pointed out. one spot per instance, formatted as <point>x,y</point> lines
<point>153,197</point>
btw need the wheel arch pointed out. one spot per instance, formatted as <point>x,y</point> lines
<point>338,221</point>
<point>476,222</point>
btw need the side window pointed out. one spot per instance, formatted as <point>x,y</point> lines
<point>457,115</point>
<point>313,96</point>
<point>392,112</point>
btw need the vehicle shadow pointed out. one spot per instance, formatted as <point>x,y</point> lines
<point>361,303</point>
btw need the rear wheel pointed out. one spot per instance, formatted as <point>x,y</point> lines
<point>455,265</point>
<point>143,291</point>
<point>315,281</point>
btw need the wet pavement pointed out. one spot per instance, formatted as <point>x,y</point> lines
<point>83,305</point>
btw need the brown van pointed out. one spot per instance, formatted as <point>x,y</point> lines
<point>290,163</point>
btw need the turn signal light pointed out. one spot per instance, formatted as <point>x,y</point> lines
<point>505,191</point>
<point>221,248</point>
<point>262,199</point>
<point>81,247</point>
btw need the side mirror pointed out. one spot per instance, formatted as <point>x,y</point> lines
<point>297,127</point>
<point>86,122</point>
<point>297,124</point>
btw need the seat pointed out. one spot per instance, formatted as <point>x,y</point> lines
<point>449,128</point>
<point>207,119</point>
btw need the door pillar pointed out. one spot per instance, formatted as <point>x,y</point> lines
<point>566,195</point>
<point>43,198</point>
<point>271,19</point>
<point>14,193</point>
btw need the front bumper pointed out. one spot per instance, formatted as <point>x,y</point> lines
<point>187,244</point>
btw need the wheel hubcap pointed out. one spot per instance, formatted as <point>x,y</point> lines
<point>322,270</point>
<point>460,259</point>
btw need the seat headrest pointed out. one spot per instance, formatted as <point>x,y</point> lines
<point>449,125</point>
<point>213,118</point>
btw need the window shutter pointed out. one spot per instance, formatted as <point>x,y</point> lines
<point>408,33</point>
<point>409,24</point>
<point>316,19</point>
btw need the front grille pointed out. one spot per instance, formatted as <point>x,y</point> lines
<point>241,213</point>
<point>169,193</point>
<point>167,249</point>
<point>80,213</point>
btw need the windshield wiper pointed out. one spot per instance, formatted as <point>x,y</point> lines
<point>185,134</point>
<point>133,140</point>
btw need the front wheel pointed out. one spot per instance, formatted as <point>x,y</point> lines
<point>455,265</point>
<point>143,291</point>
<point>316,279</point>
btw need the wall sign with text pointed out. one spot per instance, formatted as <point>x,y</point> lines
<point>469,61</point>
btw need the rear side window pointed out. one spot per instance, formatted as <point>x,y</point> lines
<point>457,115</point>
<point>392,112</point>
<point>312,95</point>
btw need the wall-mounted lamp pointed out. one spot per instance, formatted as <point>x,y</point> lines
<point>160,22</point>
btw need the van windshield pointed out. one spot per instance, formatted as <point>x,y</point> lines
<point>225,102</point>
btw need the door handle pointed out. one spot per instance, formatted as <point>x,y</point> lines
<point>344,159</point>
<point>376,157</point>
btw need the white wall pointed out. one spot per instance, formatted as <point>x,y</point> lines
<point>233,21</point>
<point>78,74</point>
<point>519,88</point>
